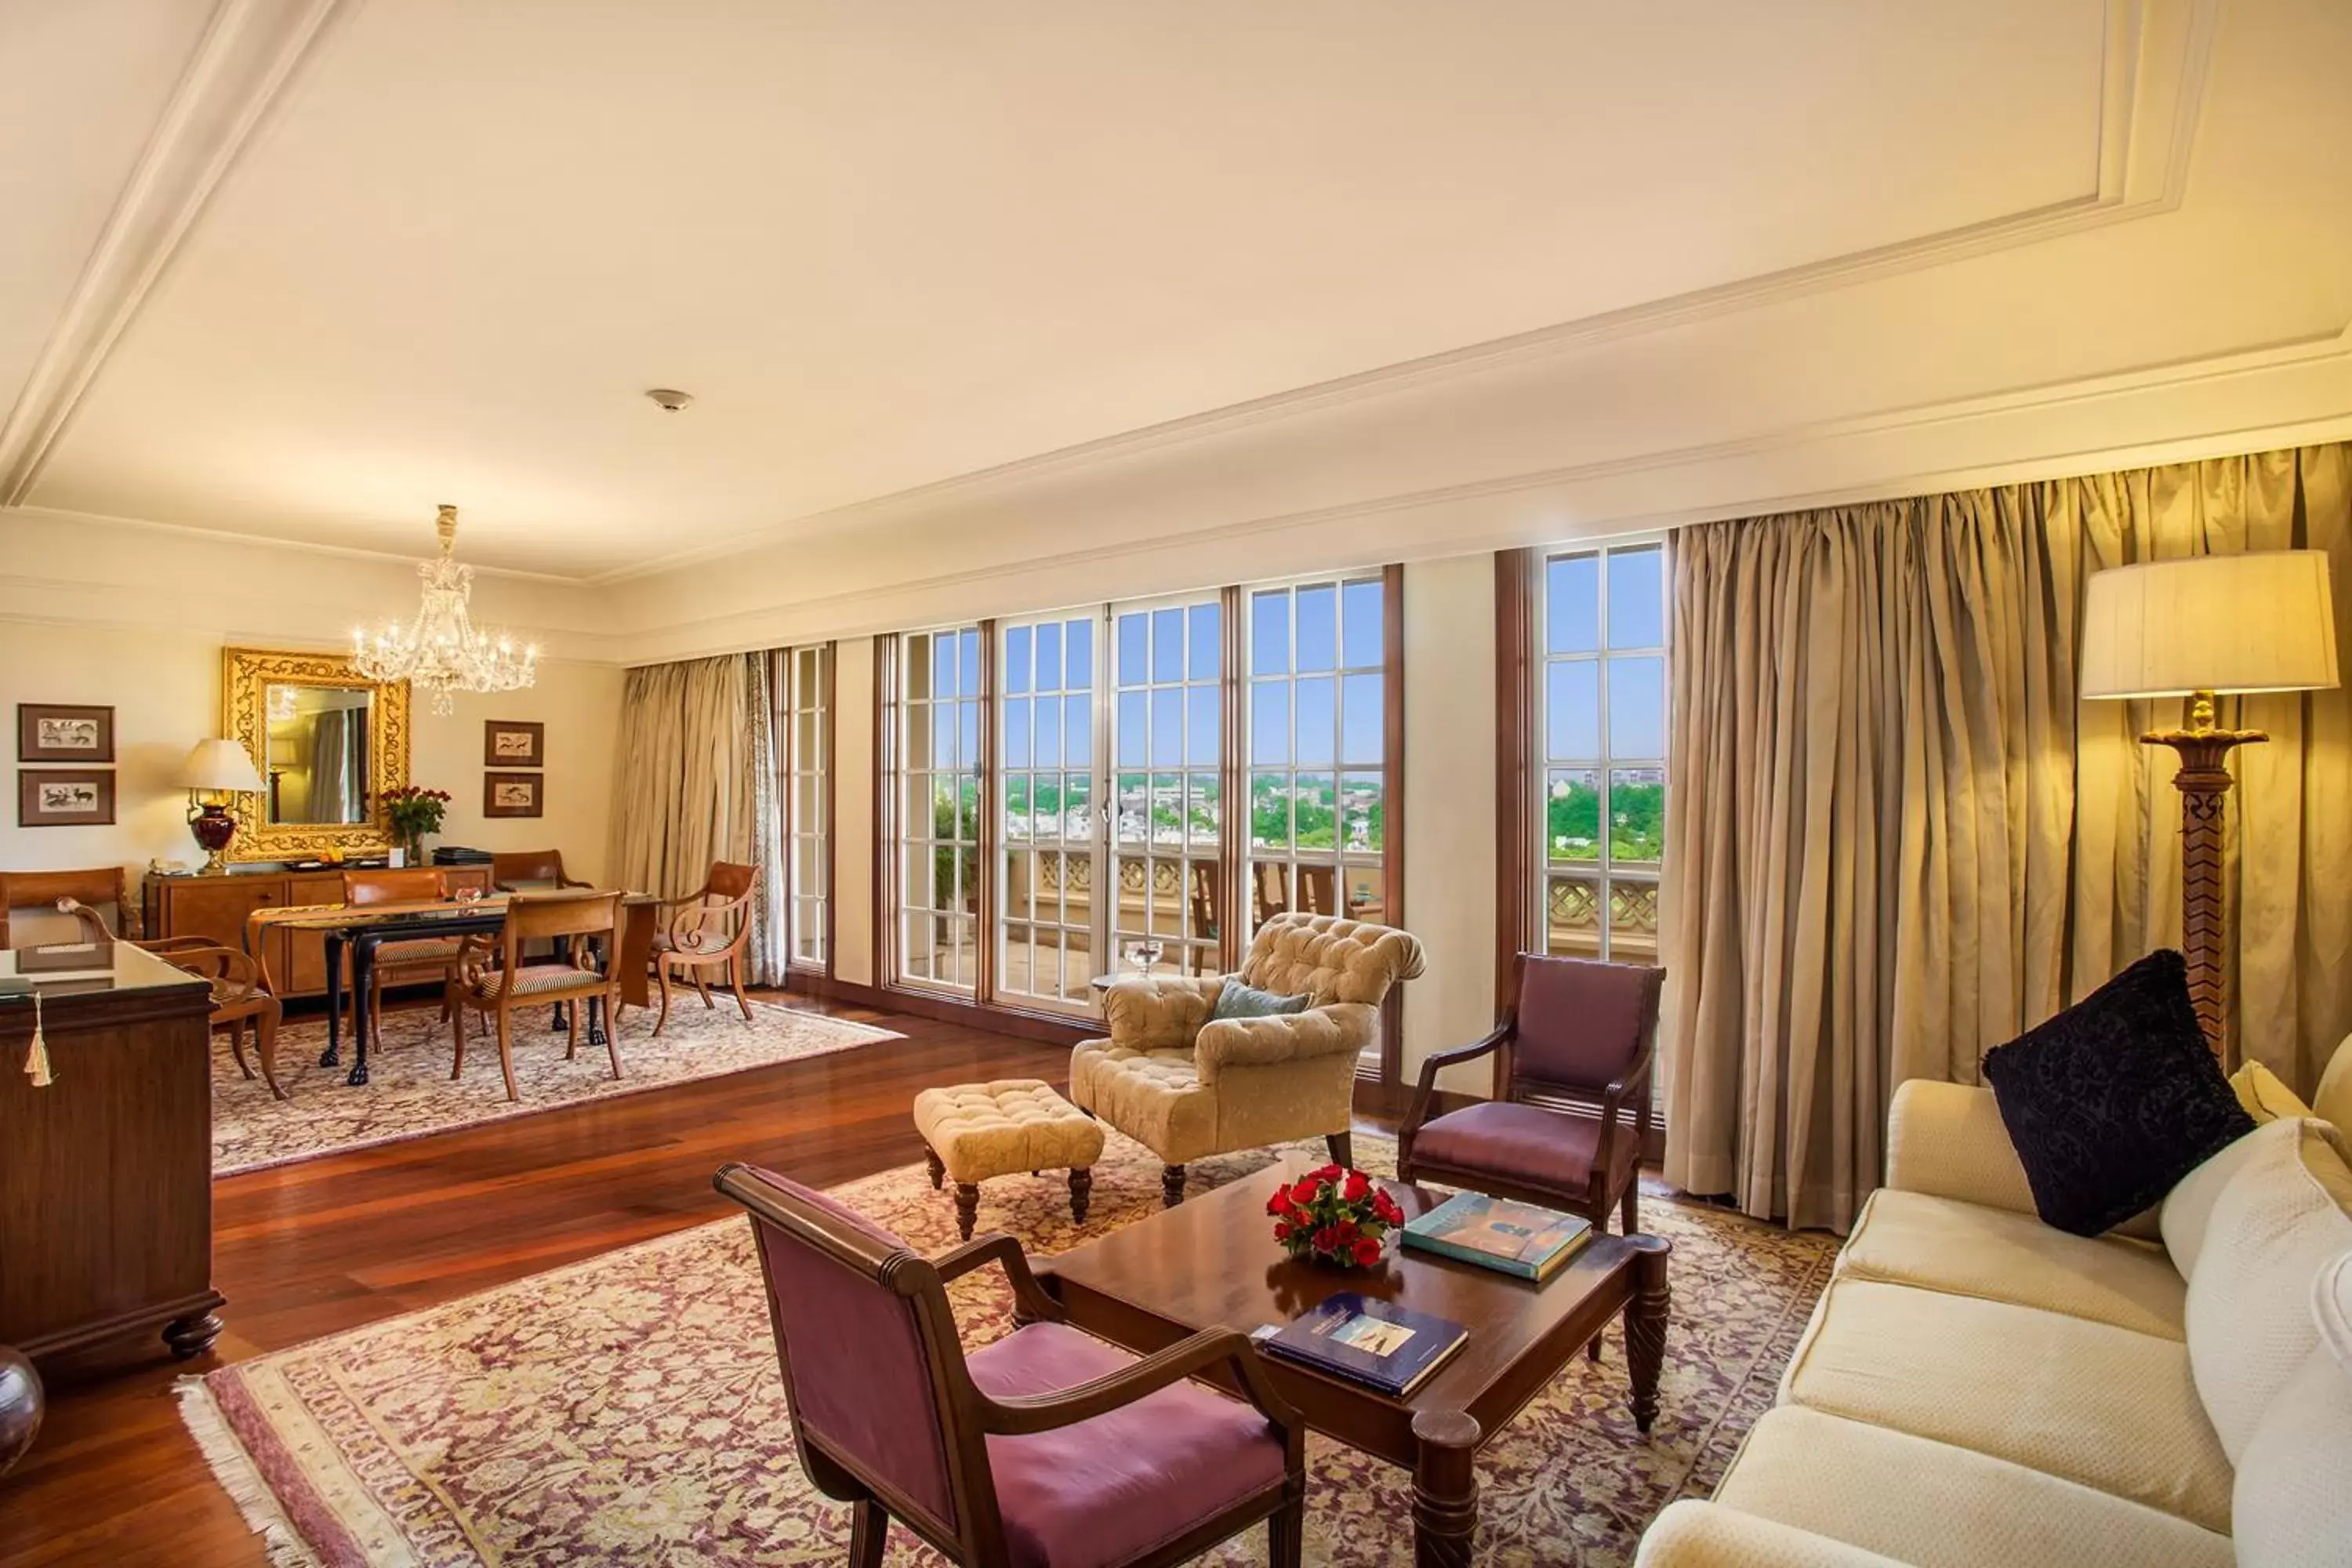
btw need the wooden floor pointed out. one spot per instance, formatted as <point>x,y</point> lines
<point>308,1249</point>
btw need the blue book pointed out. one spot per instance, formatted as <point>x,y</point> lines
<point>1496,1233</point>
<point>1374,1342</point>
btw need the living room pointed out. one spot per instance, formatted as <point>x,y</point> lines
<point>779,766</point>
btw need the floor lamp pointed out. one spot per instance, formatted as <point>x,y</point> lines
<point>2196,628</point>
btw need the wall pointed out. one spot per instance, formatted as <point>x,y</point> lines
<point>164,686</point>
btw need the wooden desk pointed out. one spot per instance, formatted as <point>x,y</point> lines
<point>1211,1262</point>
<point>106,1195</point>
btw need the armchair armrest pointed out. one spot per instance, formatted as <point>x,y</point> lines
<point>1161,1012</point>
<point>1030,1299</point>
<point>1206,1349</point>
<point>1693,1535</point>
<point>1339,1029</point>
<point>1435,1063</point>
<point>1948,1140</point>
<point>92,923</point>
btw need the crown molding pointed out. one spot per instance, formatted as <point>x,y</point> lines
<point>2154,77</point>
<point>250,50</point>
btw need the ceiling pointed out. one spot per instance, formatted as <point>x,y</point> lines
<point>885,246</point>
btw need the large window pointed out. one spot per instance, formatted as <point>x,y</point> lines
<point>1045,926</point>
<point>937,741</point>
<point>1317,723</point>
<point>1601,627</point>
<point>1167,794</point>
<point>804,697</point>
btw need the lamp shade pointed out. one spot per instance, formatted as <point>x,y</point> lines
<point>220,764</point>
<point>2257,621</point>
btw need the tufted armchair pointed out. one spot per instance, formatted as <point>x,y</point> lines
<point>1186,1086</point>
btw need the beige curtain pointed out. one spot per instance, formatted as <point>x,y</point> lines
<point>686,792</point>
<point>1896,838</point>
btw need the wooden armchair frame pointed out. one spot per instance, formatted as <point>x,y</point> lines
<point>240,996</point>
<point>724,901</point>
<point>976,1536</point>
<point>502,986</point>
<point>71,892</point>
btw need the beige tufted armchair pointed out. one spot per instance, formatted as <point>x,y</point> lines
<point>1186,1087</point>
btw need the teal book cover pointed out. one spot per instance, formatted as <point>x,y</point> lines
<point>1524,1239</point>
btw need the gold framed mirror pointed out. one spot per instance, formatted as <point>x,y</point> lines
<point>329,743</point>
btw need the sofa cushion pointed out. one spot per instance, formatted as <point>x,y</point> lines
<point>2331,1101</point>
<point>2264,1095</point>
<point>1154,1096</point>
<point>1694,1535</point>
<point>1112,1488</point>
<point>2113,1409</point>
<point>2285,1214</point>
<point>2115,1099</point>
<point>1968,1249</point>
<point>2292,1507</point>
<point>1921,1501</point>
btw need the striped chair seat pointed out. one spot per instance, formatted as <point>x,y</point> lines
<point>417,949</point>
<point>533,978</point>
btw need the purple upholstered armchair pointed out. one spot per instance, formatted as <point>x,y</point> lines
<point>1046,1449</point>
<point>1574,1030</point>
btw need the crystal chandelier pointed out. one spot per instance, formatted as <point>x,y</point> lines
<point>440,651</point>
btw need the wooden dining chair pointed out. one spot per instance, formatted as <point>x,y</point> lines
<point>409,960</point>
<point>1046,1446</point>
<point>1206,880</point>
<point>708,934</point>
<point>85,896</point>
<point>240,996</point>
<point>497,980</point>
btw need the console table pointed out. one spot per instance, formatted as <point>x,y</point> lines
<point>106,1192</point>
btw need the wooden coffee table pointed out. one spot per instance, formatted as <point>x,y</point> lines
<point>1212,1262</point>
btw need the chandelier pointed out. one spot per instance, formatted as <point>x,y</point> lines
<point>441,651</point>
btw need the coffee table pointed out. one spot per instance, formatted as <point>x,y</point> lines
<point>1212,1262</point>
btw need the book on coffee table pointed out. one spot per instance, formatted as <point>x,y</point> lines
<point>1377,1344</point>
<point>1524,1240</point>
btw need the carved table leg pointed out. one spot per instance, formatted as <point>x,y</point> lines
<point>939,1172</point>
<point>333,1055</point>
<point>967,1207</point>
<point>1444,1488</point>
<point>191,1335</point>
<point>1171,1186</point>
<point>1082,1191</point>
<point>1645,1325</point>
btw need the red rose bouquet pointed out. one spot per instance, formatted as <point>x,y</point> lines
<point>1333,1216</point>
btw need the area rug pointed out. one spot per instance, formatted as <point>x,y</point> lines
<point>409,1092</point>
<point>628,1410</point>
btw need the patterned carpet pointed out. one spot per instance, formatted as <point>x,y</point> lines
<point>628,1410</point>
<point>409,1092</point>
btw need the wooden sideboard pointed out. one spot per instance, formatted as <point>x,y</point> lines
<point>106,1189</point>
<point>216,907</point>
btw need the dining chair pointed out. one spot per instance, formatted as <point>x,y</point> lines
<point>511,870</point>
<point>586,920</point>
<point>408,961</point>
<point>1047,1446</point>
<point>1206,886</point>
<point>51,896</point>
<point>1576,1032</point>
<point>709,934</point>
<point>239,996</point>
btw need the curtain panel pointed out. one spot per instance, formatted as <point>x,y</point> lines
<point>689,784</point>
<point>1896,838</point>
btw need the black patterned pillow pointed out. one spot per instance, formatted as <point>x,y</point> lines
<point>2115,1099</point>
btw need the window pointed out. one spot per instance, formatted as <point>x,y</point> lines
<point>1601,627</point>
<point>1045,926</point>
<point>1167,812</point>
<point>937,742</point>
<point>805,695</point>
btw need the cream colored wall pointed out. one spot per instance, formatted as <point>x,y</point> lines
<point>164,688</point>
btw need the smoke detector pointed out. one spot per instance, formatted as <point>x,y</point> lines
<point>670,398</point>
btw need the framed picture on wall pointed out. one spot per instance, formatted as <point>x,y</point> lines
<point>513,743</point>
<point>512,794</point>
<point>64,797</point>
<point>63,732</point>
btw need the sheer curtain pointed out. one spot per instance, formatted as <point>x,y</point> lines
<point>1896,838</point>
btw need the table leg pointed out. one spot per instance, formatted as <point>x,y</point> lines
<point>1444,1488</point>
<point>1645,1325</point>
<point>333,1053</point>
<point>363,980</point>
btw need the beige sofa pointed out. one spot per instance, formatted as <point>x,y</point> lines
<point>1977,1388</point>
<point>1186,1086</point>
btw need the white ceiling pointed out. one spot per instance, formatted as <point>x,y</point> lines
<point>885,246</point>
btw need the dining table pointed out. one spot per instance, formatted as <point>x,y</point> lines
<point>359,929</point>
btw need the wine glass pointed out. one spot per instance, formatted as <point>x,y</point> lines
<point>1146,953</point>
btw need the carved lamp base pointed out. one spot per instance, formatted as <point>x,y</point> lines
<point>2204,783</point>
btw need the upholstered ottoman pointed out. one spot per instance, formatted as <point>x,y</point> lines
<point>975,1131</point>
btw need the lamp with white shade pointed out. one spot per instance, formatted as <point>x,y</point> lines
<point>216,768</point>
<point>2197,628</point>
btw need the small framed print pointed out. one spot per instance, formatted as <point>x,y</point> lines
<point>64,797</point>
<point>58,732</point>
<point>512,794</point>
<point>513,743</point>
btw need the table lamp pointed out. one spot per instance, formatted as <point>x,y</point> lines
<point>216,768</point>
<point>2197,628</point>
